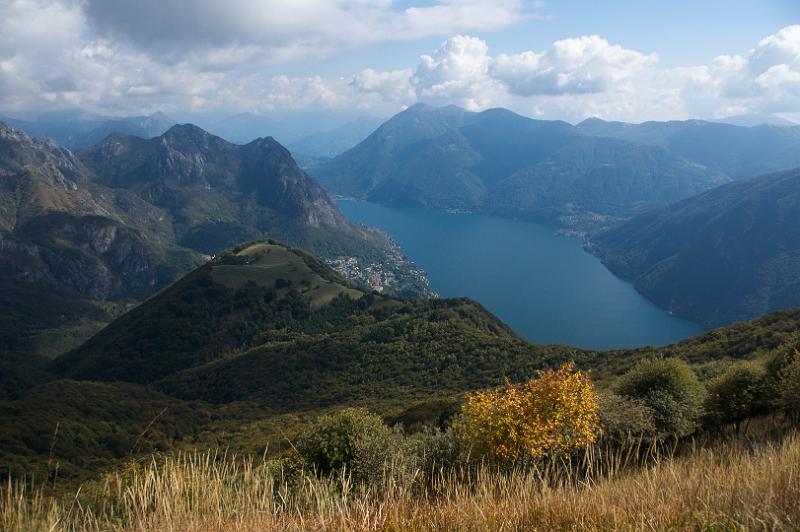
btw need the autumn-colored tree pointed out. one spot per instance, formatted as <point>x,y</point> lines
<point>552,414</point>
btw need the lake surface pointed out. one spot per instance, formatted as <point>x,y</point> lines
<point>545,286</point>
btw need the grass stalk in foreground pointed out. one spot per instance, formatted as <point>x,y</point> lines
<point>727,486</point>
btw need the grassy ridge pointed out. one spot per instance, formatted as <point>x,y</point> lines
<point>268,264</point>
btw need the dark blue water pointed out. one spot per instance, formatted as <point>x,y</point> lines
<point>543,285</point>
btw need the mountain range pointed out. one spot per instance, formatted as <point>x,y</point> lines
<point>499,162</point>
<point>331,142</point>
<point>735,151</point>
<point>305,134</point>
<point>219,194</point>
<point>671,206</point>
<point>124,218</point>
<point>76,129</point>
<point>754,119</point>
<point>595,174</point>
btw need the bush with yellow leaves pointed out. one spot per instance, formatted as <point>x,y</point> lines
<point>553,414</point>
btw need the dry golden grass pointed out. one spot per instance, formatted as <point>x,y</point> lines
<point>728,486</point>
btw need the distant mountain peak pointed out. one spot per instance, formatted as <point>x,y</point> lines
<point>186,130</point>
<point>268,140</point>
<point>594,120</point>
<point>502,162</point>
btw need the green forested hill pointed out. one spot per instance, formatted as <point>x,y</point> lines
<point>270,324</point>
<point>69,429</point>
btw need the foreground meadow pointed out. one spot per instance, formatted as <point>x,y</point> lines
<point>731,485</point>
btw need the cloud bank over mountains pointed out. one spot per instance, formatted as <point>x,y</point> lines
<point>135,56</point>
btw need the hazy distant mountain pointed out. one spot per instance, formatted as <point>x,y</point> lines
<point>315,133</point>
<point>333,142</point>
<point>750,120</point>
<point>140,126</point>
<point>305,161</point>
<point>728,254</point>
<point>76,129</point>
<point>498,161</point>
<point>600,176</point>
<point>733,150</point>
<point>244,127</point>
<point>361,169</point>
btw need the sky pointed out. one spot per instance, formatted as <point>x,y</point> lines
<point>619,60</point>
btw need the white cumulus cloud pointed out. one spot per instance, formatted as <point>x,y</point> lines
<point>571,66</point>
<point>589,76</point>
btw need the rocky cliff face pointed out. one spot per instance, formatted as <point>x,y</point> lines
<point>61,231</point>
<point>125,217</point>
<point>218,194</point>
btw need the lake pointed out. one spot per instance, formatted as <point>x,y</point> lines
<point>545,286</point>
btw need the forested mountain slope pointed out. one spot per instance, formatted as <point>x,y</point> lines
<point>729,254</point>
<point>500,162</point>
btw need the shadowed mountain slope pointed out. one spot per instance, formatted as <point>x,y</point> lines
<point>729,254</point>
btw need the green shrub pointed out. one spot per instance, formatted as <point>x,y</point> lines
<point>783,356</point>
<point>788,389</point>
<point>351,440</point>
<point>712,369</point>
<point>433,449</point>
<point>670,389</point>
<point>625,418</point>
<point>287,469</point>
<point>737,394</point>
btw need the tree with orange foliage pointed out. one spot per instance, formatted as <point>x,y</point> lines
<point>553,414</point>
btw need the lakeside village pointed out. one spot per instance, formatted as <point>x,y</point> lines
<point>395,274</point>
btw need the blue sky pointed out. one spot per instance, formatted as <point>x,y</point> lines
<point>622,60</point>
